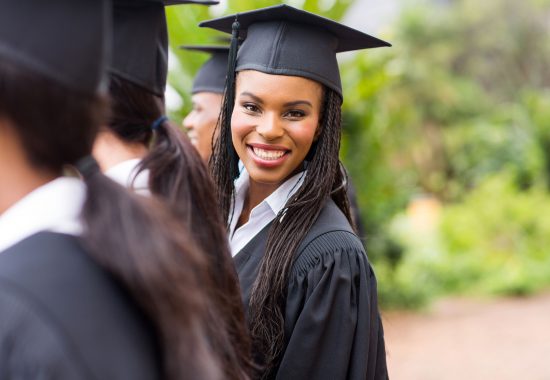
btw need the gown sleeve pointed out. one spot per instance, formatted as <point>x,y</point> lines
<point>30,347</point>
<point>333,328</point>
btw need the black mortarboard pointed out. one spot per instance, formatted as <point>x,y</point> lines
<point>287,41</point>
<point>64,40</point>
<point>211,75</point>
<point>140,48</point>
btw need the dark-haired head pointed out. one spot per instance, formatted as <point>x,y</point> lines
<point>56,127</point>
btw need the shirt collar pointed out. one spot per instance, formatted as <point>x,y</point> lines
<point>124,173</point>
<point>276,200</point>
<point>55,206</point>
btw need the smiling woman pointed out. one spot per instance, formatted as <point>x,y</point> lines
<point>274,125</point>
<point>306,282</point>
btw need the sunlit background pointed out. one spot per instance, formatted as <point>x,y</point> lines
<point>447,140</point>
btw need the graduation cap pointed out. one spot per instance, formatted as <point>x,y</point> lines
<point>54,38</point>
<point>284,40</point>
<point>140,46</point>
<point>211,75</point>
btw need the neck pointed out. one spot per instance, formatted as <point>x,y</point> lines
<point>110,150</point>
<point>256,193</point>
<point>22,181</point>
<point>17,176</point>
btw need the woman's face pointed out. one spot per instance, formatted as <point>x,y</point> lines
<point>274,123</point>
<point>201,121</point>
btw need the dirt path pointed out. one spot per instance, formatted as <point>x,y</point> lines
<point>471,340</point>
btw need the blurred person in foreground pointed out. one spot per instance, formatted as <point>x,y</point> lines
<point>95,282</point>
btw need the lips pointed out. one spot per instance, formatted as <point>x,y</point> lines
<point>194,140</point>
<point>268,155</point>
<point>265,154</point>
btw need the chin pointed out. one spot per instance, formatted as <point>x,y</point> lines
<point>267,177</point>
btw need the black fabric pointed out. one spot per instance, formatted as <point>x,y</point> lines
<point>140,47</point>
<point>283,40</point>
<point>201,2</point>
<point>63,317</point>
<point>64,40</point>
<point>211,75</point>
<point>333,328</point>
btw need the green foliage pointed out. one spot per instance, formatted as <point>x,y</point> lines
<point>494,242</point>
<point>537,108</point>
<point>499,235</point>
<point>183,30</point>
<point>459,99</point>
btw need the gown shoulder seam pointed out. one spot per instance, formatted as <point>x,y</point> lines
<point>325,244</point>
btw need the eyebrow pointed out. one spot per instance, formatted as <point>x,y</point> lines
<point>254,97</point>
<point>298,103</point>
<point>289,104</point>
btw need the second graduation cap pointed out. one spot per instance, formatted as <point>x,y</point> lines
<point>211,75</point>
<point>283,40</point>
<point>140,41</point>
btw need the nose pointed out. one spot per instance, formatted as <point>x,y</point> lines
<point>270,127</point>
<point>188,121</point>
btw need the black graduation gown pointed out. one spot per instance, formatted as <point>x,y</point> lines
<point>63,317</point>
<point>333,329</point>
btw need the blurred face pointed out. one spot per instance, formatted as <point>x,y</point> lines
<point>201,122</point>
<point>274,124</point>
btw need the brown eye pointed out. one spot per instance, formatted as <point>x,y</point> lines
<point>251,107</point>
<point>295,114</point>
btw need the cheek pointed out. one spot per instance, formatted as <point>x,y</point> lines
<point>241,125</point>
<point>304,134</point>
<point>206,120</point>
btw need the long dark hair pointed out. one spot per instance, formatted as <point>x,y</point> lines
<point>268,295</point>
<point>179,177</point>
<point>141,245</point>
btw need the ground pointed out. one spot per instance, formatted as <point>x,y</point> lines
<point>469,339</point>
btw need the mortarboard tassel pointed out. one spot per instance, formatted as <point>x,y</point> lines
<point>229,101</point>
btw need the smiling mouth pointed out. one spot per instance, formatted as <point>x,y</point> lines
<point>268,154</point>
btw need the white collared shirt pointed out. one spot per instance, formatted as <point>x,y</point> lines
<point>124,173</point>
<point>55,207</point>
<point>262,214</point>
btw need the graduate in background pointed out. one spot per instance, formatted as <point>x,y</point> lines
<point>207,97</point>
<point>142,150</point>
<point>94,282</point>
<point>309,289</point>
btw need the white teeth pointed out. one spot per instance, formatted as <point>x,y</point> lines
<point>268,154</point>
